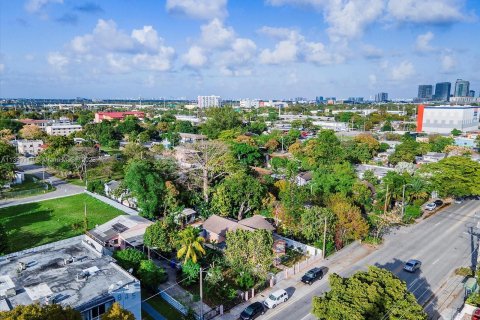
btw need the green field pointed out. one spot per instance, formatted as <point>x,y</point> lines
<point>33,224</point>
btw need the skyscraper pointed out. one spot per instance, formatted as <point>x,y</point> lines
<point>381,97</point>
<point>442,91</point>
<point>425,91</point>
<point>462,88</point>
<point>471,93</point>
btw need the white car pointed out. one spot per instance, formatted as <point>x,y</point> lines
<point>430,206</point>
<point>275,298</point>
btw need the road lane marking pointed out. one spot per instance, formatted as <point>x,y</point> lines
<point>435,261</point>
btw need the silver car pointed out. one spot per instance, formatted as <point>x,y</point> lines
<point>412,265</point>
<point>431,206</point>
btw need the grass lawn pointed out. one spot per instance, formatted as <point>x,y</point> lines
<point>30,187</point>
<point>33,224</point>
<point>161,306</point>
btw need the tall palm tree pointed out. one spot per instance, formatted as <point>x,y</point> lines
<point>191,244</point>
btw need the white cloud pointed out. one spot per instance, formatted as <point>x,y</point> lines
<point>427,11</point>
<point>403,71</point>
<point>349,19</point>
<point>293,47</point>
<point>113,50</point>
<point>423,42</point>
<point>195,57</point>
<point>372,79</point>
<point>448,63</point>
<point>2,67</point>
<point>57,60</point>
<point>216,35</point>
<point>36,6</point>
<point>199,9</point>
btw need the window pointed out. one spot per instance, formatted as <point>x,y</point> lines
<point>98,311</point>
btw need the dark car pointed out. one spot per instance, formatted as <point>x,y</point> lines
<point>252,311</point>
<point>438,202</point>
<point>312,275</point>
<point>412,265</point>
<point>476,315</point>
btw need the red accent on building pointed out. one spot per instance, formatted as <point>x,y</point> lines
<point>421,109</point>
<point>100,116</point>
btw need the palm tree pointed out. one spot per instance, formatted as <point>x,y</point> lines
<point>191,244</point>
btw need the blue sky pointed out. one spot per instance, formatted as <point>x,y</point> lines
<point>235,49</point>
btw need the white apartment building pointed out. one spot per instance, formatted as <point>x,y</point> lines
<point>443,119</point>
<point>209,101</point>
<point>248,104</point>
<point>62,129</point>
<point>29,147</point>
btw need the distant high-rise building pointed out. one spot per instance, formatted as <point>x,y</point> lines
<point>319,99</point>
<point>425,91</point>
<point>381,97</point>
<point>471,93</point>
<point>462,88</point>
<point>209,101</point>
<point>442,91</point>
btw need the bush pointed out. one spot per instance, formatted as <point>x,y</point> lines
<point>245,280</point>
<point>151,275</point>
<point>412,213</point>
<point>474,299</point>
<point>191,271</point>
<point>329,247</point>
<point>96,186</point>
<point>129,258</point>
<point>372,240</point>
<point>464,272</point>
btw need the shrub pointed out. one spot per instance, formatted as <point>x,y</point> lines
<point>372,240</point>
<point>129,258</point>
<point>412,213</point>
<point>191,271</point>
<point>96,186</point>
<point>464,272</point>
<point>474,299</point>
<point>151,275</point>
<point>245,280</point>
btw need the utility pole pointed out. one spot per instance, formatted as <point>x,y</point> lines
<point>386,198</point>
<point>403,200</point>
<point>324,238</point>
<point>201,293</point>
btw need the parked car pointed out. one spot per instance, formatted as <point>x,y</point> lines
<point>476,314</point>
<point>275,298</point>
<point>312,275</point>
<point>431,206</point>
<point>459,200</point>
<point>252,311</point>
<point>438,202</point>
<point>412,265</point>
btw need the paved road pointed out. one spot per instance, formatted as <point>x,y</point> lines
<point>63,188</point>
<point>442,242</point>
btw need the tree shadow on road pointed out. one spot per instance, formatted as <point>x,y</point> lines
<point>416,284</point>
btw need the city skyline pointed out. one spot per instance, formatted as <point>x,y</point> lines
<point>271,49</point>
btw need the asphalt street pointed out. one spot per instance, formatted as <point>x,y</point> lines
<point>63,188</point>
<point>441,242</point>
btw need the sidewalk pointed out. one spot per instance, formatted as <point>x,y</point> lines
<point>334,263</point>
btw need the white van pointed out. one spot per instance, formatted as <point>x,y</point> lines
<point>275,298</point>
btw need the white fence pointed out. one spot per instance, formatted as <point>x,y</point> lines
<point>113,203</point>
<point>298,267</point>
<point>305,248</point>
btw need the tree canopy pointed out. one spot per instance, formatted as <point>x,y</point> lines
<point>375,294</point>
<point>41,312</point>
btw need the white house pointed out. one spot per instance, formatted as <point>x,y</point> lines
<point>29,147</point>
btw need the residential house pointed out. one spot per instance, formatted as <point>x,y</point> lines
<point>62,129</point>
<point>124,197</point>
<point>216,227</point>
<point>29,147</point>
<point>70,273</point>
<point>191,137</point>
<point>378,171</point>
<point>100,116</point>
<point>431,157</point>
<point>304,178</point>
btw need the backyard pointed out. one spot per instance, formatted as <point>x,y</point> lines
<point>38,223</point>
<point>30,187</point>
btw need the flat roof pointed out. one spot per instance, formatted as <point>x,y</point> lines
<point>47,275</point>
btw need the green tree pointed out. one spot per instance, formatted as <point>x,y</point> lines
<point>184,127</point>
<point>129,258</point>
<point>41,312</point>
<point>238,195</point>
<point>477,141</point>
<point>220,119</point>
<point>245,153</point>
<point>455,132</point>
<point>334,178</point>
<point>405,151</point>
<point>8,157</point>
<point>116,312</point>
<point>191,271</point>
<point>374,294</point>
<point>250,251</point>
<point>161,235</point>
<point>313,221</point>
<point>191,244</point>
<point>325,149</point>
<point>151,275</point>
<point>453,176</point>
<point>438,143</point>
<point>146,184</point>
<point>257,127</point>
